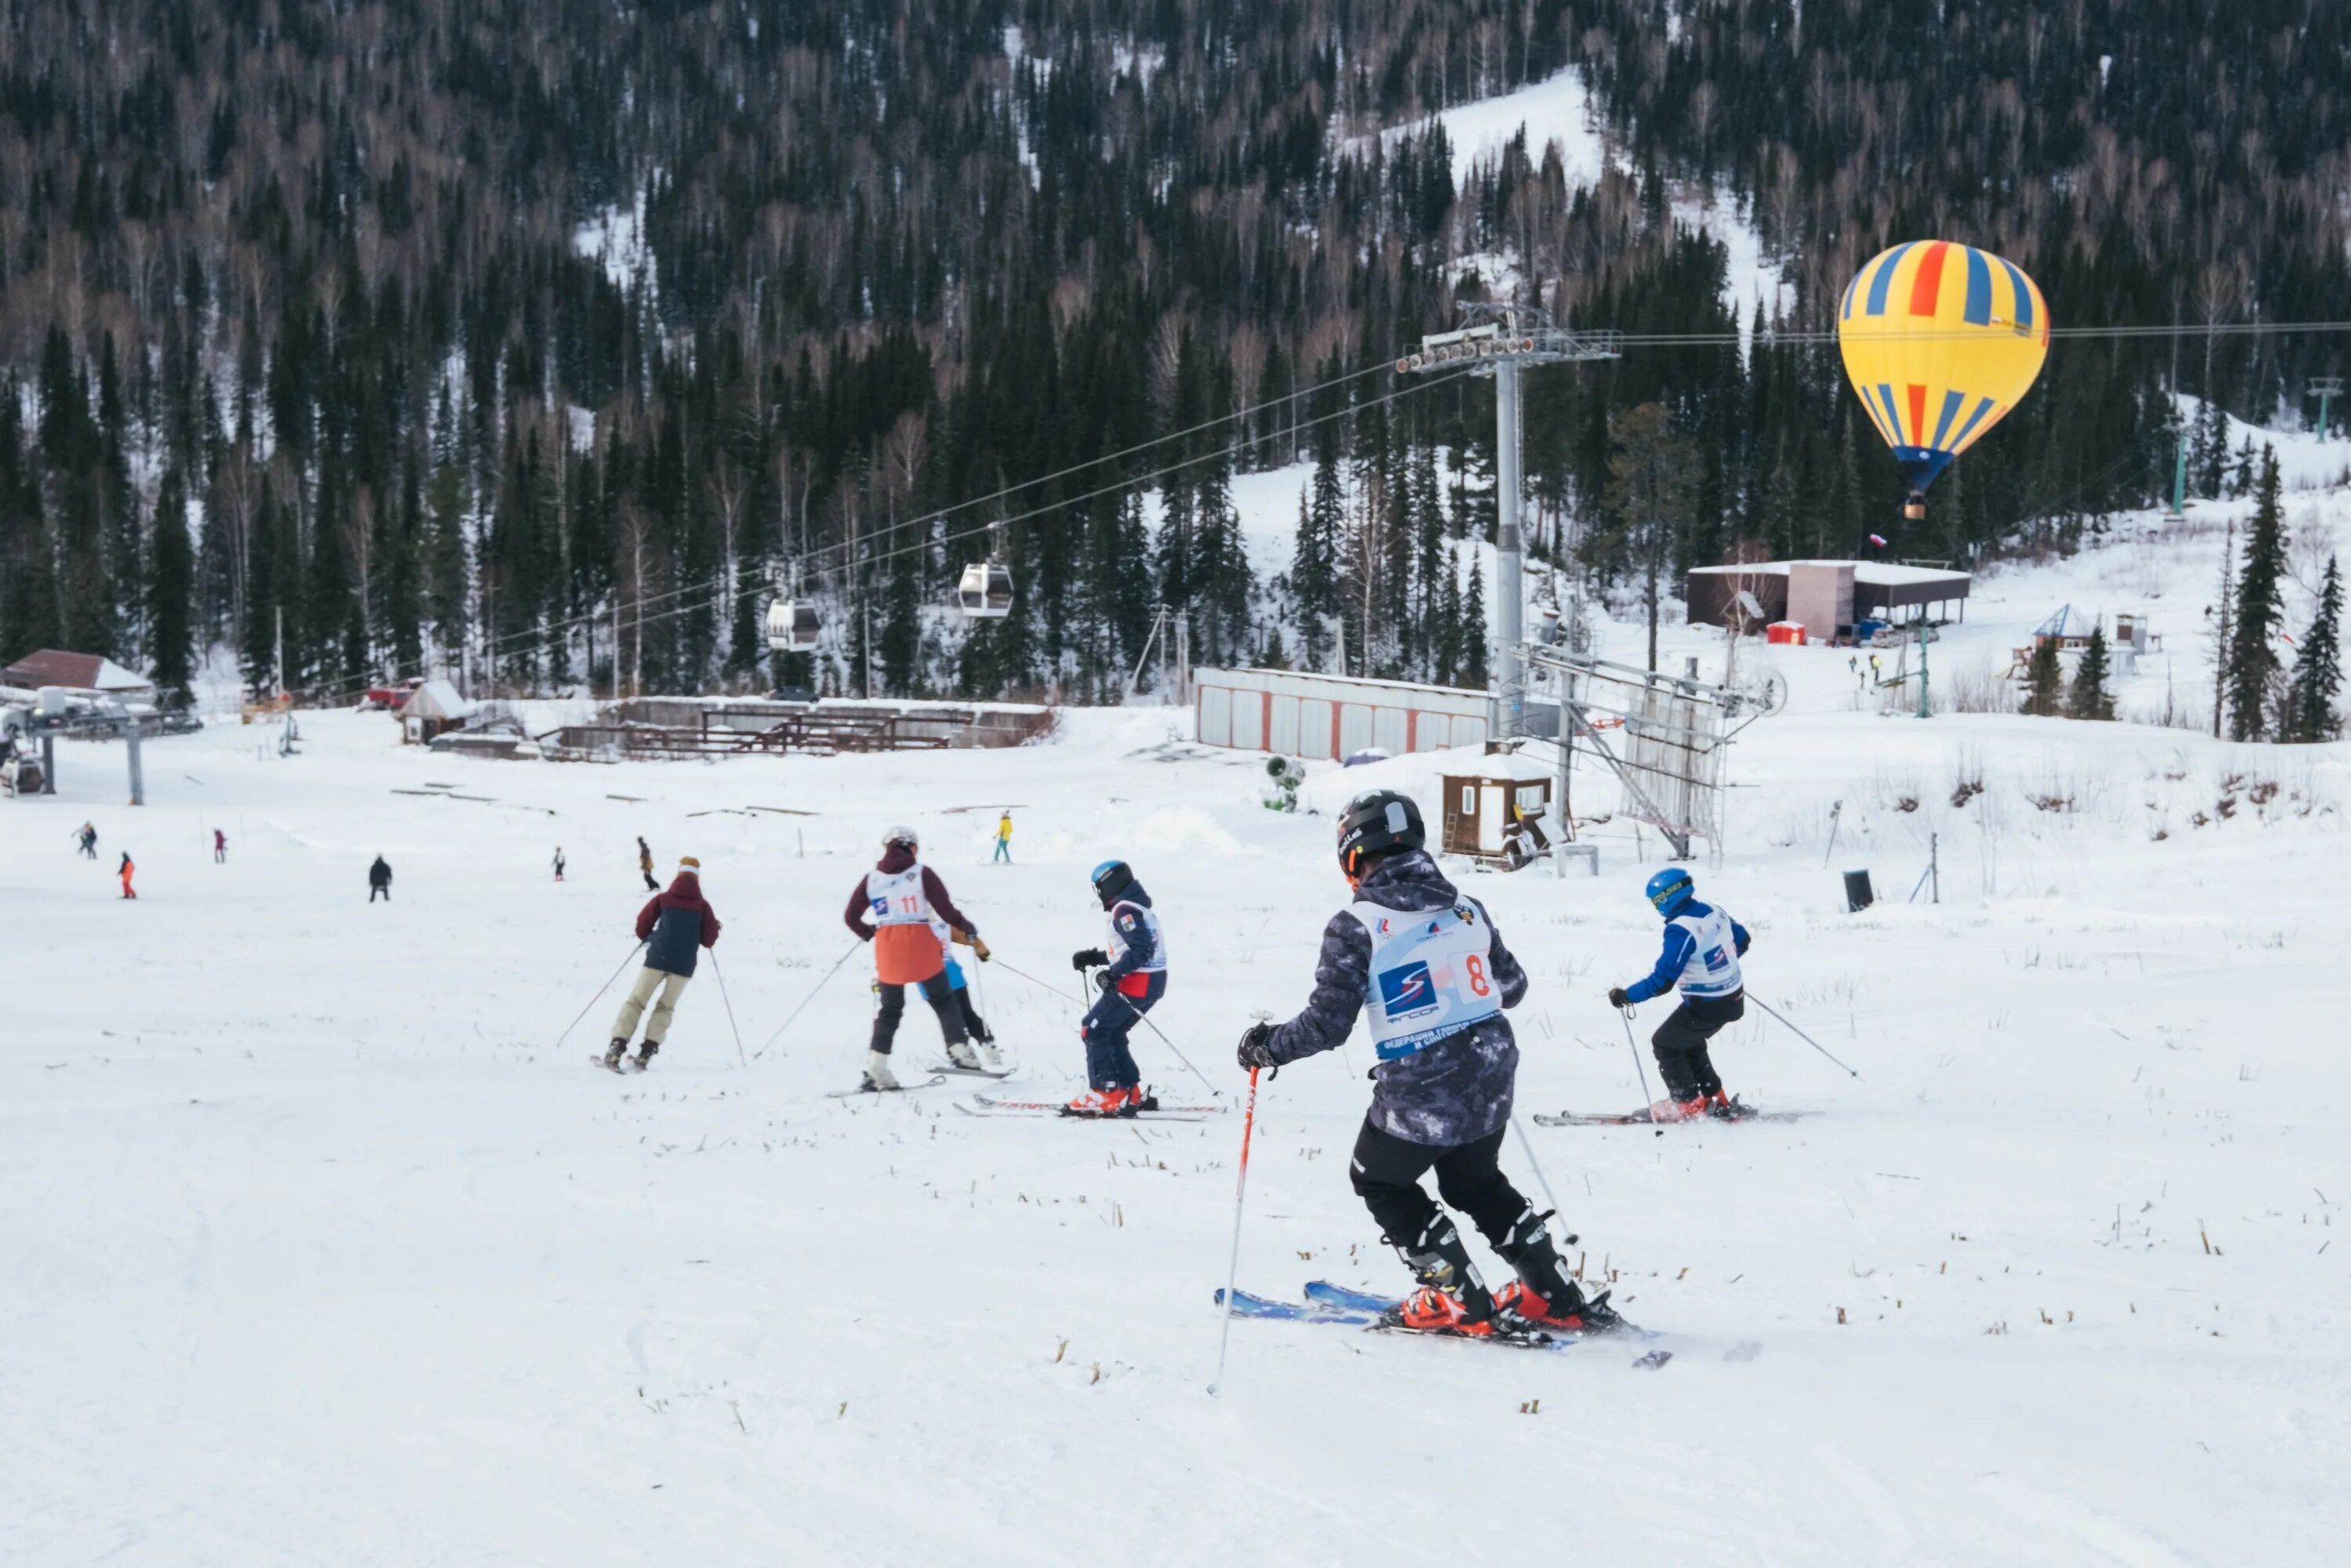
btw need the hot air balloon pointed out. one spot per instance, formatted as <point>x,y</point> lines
<point>1941,342</point>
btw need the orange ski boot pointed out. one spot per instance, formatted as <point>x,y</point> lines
<point>1669,1110</point>
<point>1105,1103</point>
<point>1452,1298</point>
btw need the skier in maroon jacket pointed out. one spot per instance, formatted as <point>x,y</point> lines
<point>901,906</point>
<point>674,926</point>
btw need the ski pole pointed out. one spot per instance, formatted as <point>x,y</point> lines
<point>597,997</point>
<point>1171,1045</point>
<point>1625,1014</point>
<point>1800,1034</point>
<point>1240,1195</point>
<point>805,1000</point>
<point>1541,1180</point>
<point>730,1005</point>
<point>1044,985</point>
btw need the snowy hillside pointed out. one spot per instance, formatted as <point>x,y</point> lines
<point>317,1247</point>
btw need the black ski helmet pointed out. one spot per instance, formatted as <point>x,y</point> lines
<point>1376,820</point>
<point>1111,878</point>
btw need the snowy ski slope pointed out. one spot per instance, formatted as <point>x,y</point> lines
<point>315,1249</point>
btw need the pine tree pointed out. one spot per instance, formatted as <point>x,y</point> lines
<point>2044,681</point>
<point>2318,667</point>
<point>2252,660</point>
<point>1474,634</point>
<point>2089,697</point>
<point>172,594</point>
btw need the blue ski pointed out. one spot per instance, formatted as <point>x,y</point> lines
<point>1246,1305</point>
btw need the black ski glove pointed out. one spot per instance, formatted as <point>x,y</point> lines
<point>1104,981</point>
<point>1256,1046</point>
<point>1087,958</point>
<point>1618,998</point>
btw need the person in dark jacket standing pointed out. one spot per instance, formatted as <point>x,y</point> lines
<point>898,906</point>
<point>674,926</point>
<point>645,865</point>
<point>1131,982</point>
<point>380,881</point>
<point>1435,976</point>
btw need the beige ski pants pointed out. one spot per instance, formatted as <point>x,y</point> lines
<point>649,981</point>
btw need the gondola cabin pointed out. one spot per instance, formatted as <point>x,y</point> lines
<point>792,625</point>
<point>985,592</point>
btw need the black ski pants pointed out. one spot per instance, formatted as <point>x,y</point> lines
<point>936,992</point>
<point>380,890</point>
<point>1681,1044</point>
<point>973,1024</point>
<point>1388,1172</point>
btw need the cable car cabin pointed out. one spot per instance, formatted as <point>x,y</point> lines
<point>985,592</point>
<point>792,625</point>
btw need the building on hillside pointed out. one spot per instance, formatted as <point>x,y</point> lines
<point>433,709</point>
<point>1828,598</point>
<point>90,672</point>
<point>1330,717</point>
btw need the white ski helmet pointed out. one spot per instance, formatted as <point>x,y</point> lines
<point>901,835</point>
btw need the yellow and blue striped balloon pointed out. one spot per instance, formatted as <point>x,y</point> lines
<point>1941,342</point>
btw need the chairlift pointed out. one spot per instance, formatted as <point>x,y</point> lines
<point>986,591</point>
<point>792,625</point>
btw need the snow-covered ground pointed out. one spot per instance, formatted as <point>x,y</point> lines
<point>315,1246</point>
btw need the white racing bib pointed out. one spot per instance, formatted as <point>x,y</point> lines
<point>896,898</point>
<point>1155,962</point>
<point>1429,974</point>
<point>1712,969</point>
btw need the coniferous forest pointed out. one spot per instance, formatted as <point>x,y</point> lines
<point>546,340</point>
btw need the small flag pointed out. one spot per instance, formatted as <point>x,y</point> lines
<point>1877,540</point>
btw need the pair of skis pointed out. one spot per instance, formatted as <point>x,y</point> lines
<point>1642,1118</point>
<point>940,1071</point>
<point>1336,1304</point>
<point>1153,1110</point>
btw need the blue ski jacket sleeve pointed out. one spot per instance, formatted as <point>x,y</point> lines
<point>1679,946</point>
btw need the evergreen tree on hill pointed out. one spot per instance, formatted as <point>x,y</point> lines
<point>2318,667</point>
<point>2089,698</point>
<point>2252,653</point>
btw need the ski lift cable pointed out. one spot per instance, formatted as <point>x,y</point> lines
<point>714,592</point>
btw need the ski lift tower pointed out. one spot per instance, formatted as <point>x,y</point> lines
<point>1496,340</point>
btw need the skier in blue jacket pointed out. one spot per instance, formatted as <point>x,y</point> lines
<point>1425,965</point>
<point>1702,948</point>
<point>1131,981</point>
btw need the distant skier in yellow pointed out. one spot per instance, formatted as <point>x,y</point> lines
<point>1003,837</point>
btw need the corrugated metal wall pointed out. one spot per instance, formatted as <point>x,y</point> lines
<point>1323,717</point>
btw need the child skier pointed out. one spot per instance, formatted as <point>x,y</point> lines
<point>1703,947</point>
<point>973,1024</point>
<point>220,847</point>
<point>645,865</point>
<point>87,837</point>
<point>904,897</point>
<point>1436,976</point>
<point>379,880</point>
<point>559,862</point>
<point>1003,837</point>
<point>124,872</point>
<point>1131,986</point>
<point>674,924</point>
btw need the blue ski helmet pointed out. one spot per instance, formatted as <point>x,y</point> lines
<point>1110,879</point>
<point>1669,890</point>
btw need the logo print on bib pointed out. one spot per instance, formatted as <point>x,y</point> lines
<point>1407,990</point>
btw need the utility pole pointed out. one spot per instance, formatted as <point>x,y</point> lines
<point>1496,341</point>
<point>278,696</point>
<point>2325,388</point>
